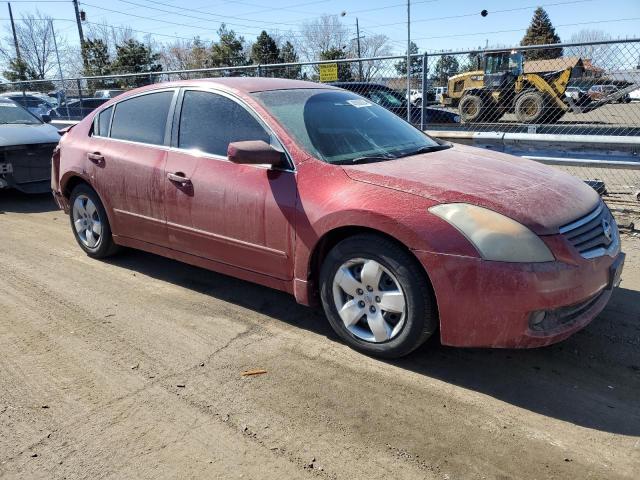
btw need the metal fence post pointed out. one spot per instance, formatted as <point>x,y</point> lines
<point>425,82</point>
<point>258,70</point>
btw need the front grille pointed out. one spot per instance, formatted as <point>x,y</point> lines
<point>594,235</point>
<point>30,163</point>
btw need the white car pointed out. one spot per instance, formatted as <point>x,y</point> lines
<point>635,95</point>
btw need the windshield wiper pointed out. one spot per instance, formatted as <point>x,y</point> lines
<point>366,159</point>
<point>432,148</point>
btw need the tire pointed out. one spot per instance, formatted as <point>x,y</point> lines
<point>418,103</point>
<point>408,321</point>
<point>89,223</point>
<point>472,108</point>
<point>532,106</point>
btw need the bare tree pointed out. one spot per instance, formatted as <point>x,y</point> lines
<point>35,41</point>
<point>110,35</point>
<point>607,57</point>
<point>185,55</point>
<point>377,45</point>
<point>321,35</point>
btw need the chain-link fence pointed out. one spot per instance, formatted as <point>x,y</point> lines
<point>580,89</point>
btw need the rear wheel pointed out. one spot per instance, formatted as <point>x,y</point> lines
<point>89,223</point>
<point>376,296</point>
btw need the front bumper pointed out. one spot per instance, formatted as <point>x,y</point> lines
<point>490,304</point>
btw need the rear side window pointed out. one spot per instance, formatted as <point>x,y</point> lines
<point>209,122</point>
<point>142,119</point>
<point>104,118</point>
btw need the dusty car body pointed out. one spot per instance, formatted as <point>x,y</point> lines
<point>26,146</point>
<point>506,252</point>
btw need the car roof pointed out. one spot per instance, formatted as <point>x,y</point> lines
<point>237,84</point>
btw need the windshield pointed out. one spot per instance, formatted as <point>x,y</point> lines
<point>10,113</point>
<point>338,126</point>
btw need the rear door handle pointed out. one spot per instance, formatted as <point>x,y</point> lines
<point>95,157</point>
<point>178,177</point>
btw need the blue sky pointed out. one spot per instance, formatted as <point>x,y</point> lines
<point>436,24</point>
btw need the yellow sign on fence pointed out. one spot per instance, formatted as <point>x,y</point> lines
<point>328,72</point>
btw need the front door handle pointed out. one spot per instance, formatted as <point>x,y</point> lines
<point>178,177</point>
<point>95,157</point>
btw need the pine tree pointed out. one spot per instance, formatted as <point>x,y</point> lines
<point>265,50</point>
<point>135,57</point>
<point>446,66</point>
<point>540,32</point>
<point>288,55</point>
<point>229,51</point>
<point>98,61</point>
<point>19,70</point>
<point>416,63</point>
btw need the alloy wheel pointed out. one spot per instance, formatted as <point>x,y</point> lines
<point>87,222</point>
<point>369,300</point>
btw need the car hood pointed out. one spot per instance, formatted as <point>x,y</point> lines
<point>28,134</point>
<point>542,198</point>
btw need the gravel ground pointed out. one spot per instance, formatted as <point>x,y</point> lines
<point>131,368</point>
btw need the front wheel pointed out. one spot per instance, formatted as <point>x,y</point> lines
<point>377,297</point>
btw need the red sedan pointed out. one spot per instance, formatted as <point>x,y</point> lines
<point>316,191</point>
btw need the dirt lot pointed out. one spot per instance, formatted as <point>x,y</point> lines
<point>131,369</point>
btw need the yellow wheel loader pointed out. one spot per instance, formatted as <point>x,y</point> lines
<point>502,87</point>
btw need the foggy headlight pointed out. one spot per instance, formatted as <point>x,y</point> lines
<point>495,236</point>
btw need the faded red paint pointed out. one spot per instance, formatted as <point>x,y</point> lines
<point>264,225</point>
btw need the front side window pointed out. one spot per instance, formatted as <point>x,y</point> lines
<point>142,119</point>
<point>338,126</point>
<point>210,122</point>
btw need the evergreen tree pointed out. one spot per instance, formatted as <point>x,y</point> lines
<point>229,51</point>
<point>265,50</point>
<point>473,63</point>
<point>288,55</point>
<point>446,66</point>
<point>416,62</point>
<point>98,60</point>
<point>19,70</point>
<point>540,32</point>
<point>344,69</point>
<point>135,57</point>
<point>198,55</point>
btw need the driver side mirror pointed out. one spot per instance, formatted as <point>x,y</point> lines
<point>45,118</point>
<point>254,152</point>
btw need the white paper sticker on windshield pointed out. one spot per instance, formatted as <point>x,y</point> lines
<point>359,103</point>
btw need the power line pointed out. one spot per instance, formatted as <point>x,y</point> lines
<point>262,22</point>
<point>474,14</point>
<point>523,29</point>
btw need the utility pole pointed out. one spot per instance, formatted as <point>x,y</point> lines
<point>409,61</point>
<point>20,66</point>
<point>13,29</point>
<point>359,56</point>
<point>80,34</point>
